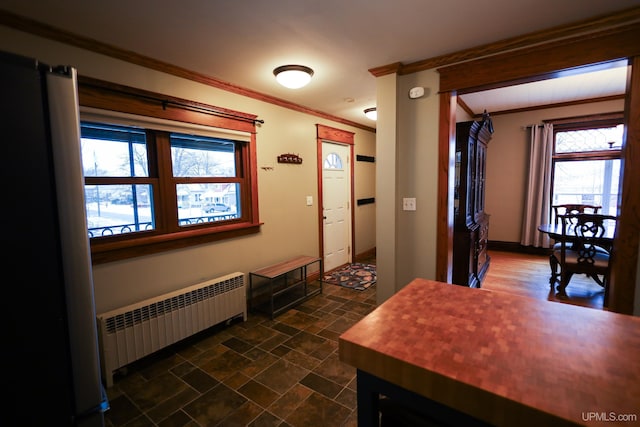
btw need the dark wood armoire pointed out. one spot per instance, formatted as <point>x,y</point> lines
<point>471,222</point>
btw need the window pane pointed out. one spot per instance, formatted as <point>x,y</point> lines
<point>333,161</point>
<point>117,209</point>
<point>114,151</point>
<point>194,156</point>
<point>198,203</point>
<point>599,139</point>
<point>593,182</point>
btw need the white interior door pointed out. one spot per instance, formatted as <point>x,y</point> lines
<point>336,197</point>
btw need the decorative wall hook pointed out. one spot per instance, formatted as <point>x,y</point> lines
<point>290,158</point>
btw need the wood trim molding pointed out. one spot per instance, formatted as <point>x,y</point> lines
<point>446,162</point>
<point>545,106</point>
<point>627,239</point>
<point>109,96</point>
<point>581,28</point>
<point>332,134</point>
<point>366,255</point>
<point>384,70</point>
<point>466,108</point>
<point>590,118</point>
<point>495,245</point>
<point>541,61</point>
<point>31,26</point>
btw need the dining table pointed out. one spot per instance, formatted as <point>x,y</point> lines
<point>555,231</point>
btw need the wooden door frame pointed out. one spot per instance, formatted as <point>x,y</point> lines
<point>329,134</point>
<point>536,63</point>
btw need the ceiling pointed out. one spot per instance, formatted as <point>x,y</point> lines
<point>242,41</point>
<point>593,84</point>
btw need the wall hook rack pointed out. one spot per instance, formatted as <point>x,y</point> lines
<point>290,158</point>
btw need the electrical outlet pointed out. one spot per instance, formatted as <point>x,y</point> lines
<point>409,204</point>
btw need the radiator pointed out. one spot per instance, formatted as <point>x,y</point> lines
<point>137,330</point>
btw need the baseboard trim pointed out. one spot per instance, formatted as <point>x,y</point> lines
<point>516,247</point>
<point>371,253</point>
<point>494,245</point>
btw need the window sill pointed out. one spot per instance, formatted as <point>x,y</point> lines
<point>105,252</point>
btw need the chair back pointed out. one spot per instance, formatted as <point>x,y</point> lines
<point>566,209</point>
<point>585,248</point>
<point>587,243</point>
<point>589,229</point>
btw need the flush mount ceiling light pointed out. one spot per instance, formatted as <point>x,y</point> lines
<point>371,113</point>
<point>293,76</point>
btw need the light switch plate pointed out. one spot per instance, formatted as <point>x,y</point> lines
<point>409,204</point>
<point>309,200</point>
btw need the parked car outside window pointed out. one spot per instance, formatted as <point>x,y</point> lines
<point>216,207</point>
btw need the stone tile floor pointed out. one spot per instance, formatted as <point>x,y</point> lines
<point>262,372</point>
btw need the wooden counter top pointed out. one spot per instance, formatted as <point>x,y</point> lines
<point>504,359</point>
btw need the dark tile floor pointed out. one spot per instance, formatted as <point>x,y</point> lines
<point>262,372</point>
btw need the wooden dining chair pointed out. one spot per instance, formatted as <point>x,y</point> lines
<point>573,208</point>
<point>565,209</point>
<point>585,248</point>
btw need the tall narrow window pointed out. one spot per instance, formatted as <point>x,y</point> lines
<point>118,191</point>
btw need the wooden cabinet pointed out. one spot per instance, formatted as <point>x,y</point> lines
<point>471,222</point>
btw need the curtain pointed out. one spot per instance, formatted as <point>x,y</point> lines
<point>538,196</point>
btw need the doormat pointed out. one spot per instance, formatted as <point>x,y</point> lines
<point>353,276</point>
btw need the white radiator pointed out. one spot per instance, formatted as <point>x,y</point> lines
<point>132,332</point>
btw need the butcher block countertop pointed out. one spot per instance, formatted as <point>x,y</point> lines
<point>505,359</point>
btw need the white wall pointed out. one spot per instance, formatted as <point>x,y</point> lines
<point>290,227</point>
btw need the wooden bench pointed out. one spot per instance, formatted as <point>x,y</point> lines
<point>278,287</point>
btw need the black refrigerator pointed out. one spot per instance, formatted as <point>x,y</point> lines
<point>51,359</point>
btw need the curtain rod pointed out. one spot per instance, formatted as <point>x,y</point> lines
<point>184,105</point>
<point>211,111</point>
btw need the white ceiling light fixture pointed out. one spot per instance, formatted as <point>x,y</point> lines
<point>371,113</point>
<point>293,76</point>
